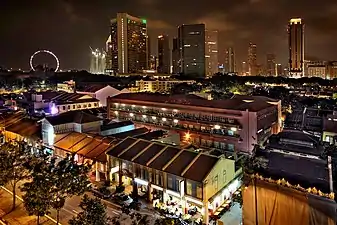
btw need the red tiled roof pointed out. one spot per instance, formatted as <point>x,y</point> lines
<point>91,147</point>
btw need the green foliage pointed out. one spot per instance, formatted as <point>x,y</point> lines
<point>165,221</point>
<point>60,179</point>
<point>15,164</point>
<point>94,213</point>
<point>37,197</point>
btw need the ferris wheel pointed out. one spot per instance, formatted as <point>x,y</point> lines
<point>44,51</point>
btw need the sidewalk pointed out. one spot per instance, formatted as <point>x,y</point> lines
<point>19,216</point>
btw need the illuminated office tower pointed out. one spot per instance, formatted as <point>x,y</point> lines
<point>191,39</point>
<point>211,52</point>
<point>271,65</point>
<point>164,54</point>
<point>230,60</point>
<point>296,48</point>
<point>175,56</point>
<point>279,70</point>
<point>127,45</point>
<point>252,59</point>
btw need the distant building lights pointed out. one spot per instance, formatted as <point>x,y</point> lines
<point>175,121</point>
<point>133,106</point>
<point>144,107</point>
<point>217,127</point>
<point>123,105</point>
<point>154,118</point>
<point>144,116</point>
<point>131,114</point>
<point>116,112</point>
<point>164,109</point>
<point>163,119</point>
<point>234,129</point>
<point>175,110</point>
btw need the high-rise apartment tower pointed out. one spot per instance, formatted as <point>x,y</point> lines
<point>211,52</point>
<point>191,39</point>
<point>296,48</point>
<point>230,60</point>
<point>127,45</point>
<point>252,59</point>
<point>164,54</point>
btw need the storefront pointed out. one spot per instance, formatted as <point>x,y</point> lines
<point>224,196</point>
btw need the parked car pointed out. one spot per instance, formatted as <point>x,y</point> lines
<point>123,199</point>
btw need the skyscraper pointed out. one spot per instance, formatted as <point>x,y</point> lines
<point>175,56</point>
<point>244,69</point>
<point>230,60</point>
<point>252,59</point>
<point>127,45</point>
<point>271,65</point>
<point>191,39</point>
<point>164,54</point>
<point>211,52</point>
<point>279,70</point>
<point>296,48</point>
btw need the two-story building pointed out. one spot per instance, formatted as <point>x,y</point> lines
<point>178,178</point>
<point>73,121</point>
<point>51,102</point>
<point>235,124</point>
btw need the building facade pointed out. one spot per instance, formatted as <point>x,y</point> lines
<point>331,70</point>
<point>230,60</point>
<point>232,125</point>
<point>271,65</point>
<point>127,45</point>
<point>211,52</point>
<point>162,86</point>
<point>252,59</point>
<point>296,47</point>
<point>191,39</point>
<point>279,70</point>
<point>164,55</point>
<point>175,57</point>
<point>180,180</point>
<point>316,69</point>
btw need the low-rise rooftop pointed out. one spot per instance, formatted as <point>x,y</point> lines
<point>181,162</point>
<point>72,117</point>
<point>241,103</point>
<point>88,146</point>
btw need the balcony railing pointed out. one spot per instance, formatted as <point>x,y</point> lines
<point>170,124</point>
<point>196,119</point>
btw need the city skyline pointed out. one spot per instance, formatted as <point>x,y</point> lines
<point>87,24</point>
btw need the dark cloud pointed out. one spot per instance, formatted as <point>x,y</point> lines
<point>68,28</point>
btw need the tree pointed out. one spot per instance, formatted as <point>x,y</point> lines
<point>37,198</point>
<point>69,178</point>
<point>15,160</point>
<point>93,213</point>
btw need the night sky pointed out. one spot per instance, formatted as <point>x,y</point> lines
<point>68,28</point>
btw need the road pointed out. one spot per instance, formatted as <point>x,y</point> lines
<point>71,207</point>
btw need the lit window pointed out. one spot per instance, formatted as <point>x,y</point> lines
<point>189,188</point>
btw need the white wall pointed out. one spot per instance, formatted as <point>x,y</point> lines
<point>106,92</point>
<point>117,130</point>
